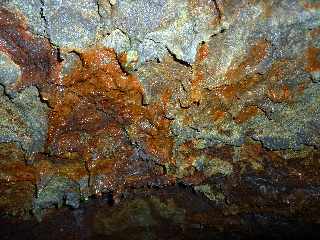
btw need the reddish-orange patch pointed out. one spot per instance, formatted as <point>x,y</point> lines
<point>228,92</point>
<point>198,74</point>
<point>280,68</point>
<point>241,82</point>
<point>35,56</point>
<point>12,165</point>
<point>218,115</point>
<point>280,94</point>
<point>315,32</point>
<point>99,115</point>
<point>167,93</point>
<point>203,52</point>
<point>312,5</point>
<point>313,59</point>
<point>196,91</point>
<point>123,58</point>
<point>17,172</point>
<point>255,55</point>
<point>247,113</point>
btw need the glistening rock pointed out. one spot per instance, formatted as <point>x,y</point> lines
<point>108,96</point>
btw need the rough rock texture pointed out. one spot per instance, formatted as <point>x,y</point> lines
<point>24,120</point>
<point>107,96</point>
<point>71,24</point>
<point>156,27</point>
<point>170,213</point>
<point>9,71</point>
<point>30,12</point>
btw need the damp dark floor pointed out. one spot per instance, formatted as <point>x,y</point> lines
<point>172,213</point>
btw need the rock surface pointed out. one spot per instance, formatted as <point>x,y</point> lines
<point>24,120</point>
<point>107,96</point>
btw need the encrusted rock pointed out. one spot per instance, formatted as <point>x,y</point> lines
<point>32,11</point>
<point>105,96</point>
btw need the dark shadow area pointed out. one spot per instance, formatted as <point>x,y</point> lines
<point>172,213</point>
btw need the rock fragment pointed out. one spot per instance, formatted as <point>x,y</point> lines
<point>71,25</point>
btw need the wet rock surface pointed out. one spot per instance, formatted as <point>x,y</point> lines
<point>119,97</point>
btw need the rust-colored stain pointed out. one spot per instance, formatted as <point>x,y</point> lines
<point>35,56</point>
<point>99,129</point>
<point>218,115</point>
<point>280,94</point>
<point>166,96</point>
<point>196,91</point>
<point>278,70</point>
<point>97,124</point>
<point>99,115</point>
<point>123,58</point>
<point>311,5</point>
<point>239,81</point>
<point>246,114</point>
<point>230,93</point>
<point>255,55</point>
<point>99,86</point>
<point>313,59</point>
<point>13,167</point>
<point>203,52</point>
<point>315,32</point>
<point>196,94</point>
<point>227,92</point>
<point>16,172</point>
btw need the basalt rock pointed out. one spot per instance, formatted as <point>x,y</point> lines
<point>24,120</point>
<point>108,96</point>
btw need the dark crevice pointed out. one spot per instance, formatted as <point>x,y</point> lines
<point>195,129</point>
<point>220,32</point>
<point>112,7</point>
<point>43,17</point>
<point>5,92</point>
<point>88,172</point>
<point>46,33</point>
<point>59,57</point>
<point>99,9</point>
<point>79,55</point>
<point>182,106</point>
<point>174,56</point>
<point>42,100</point>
